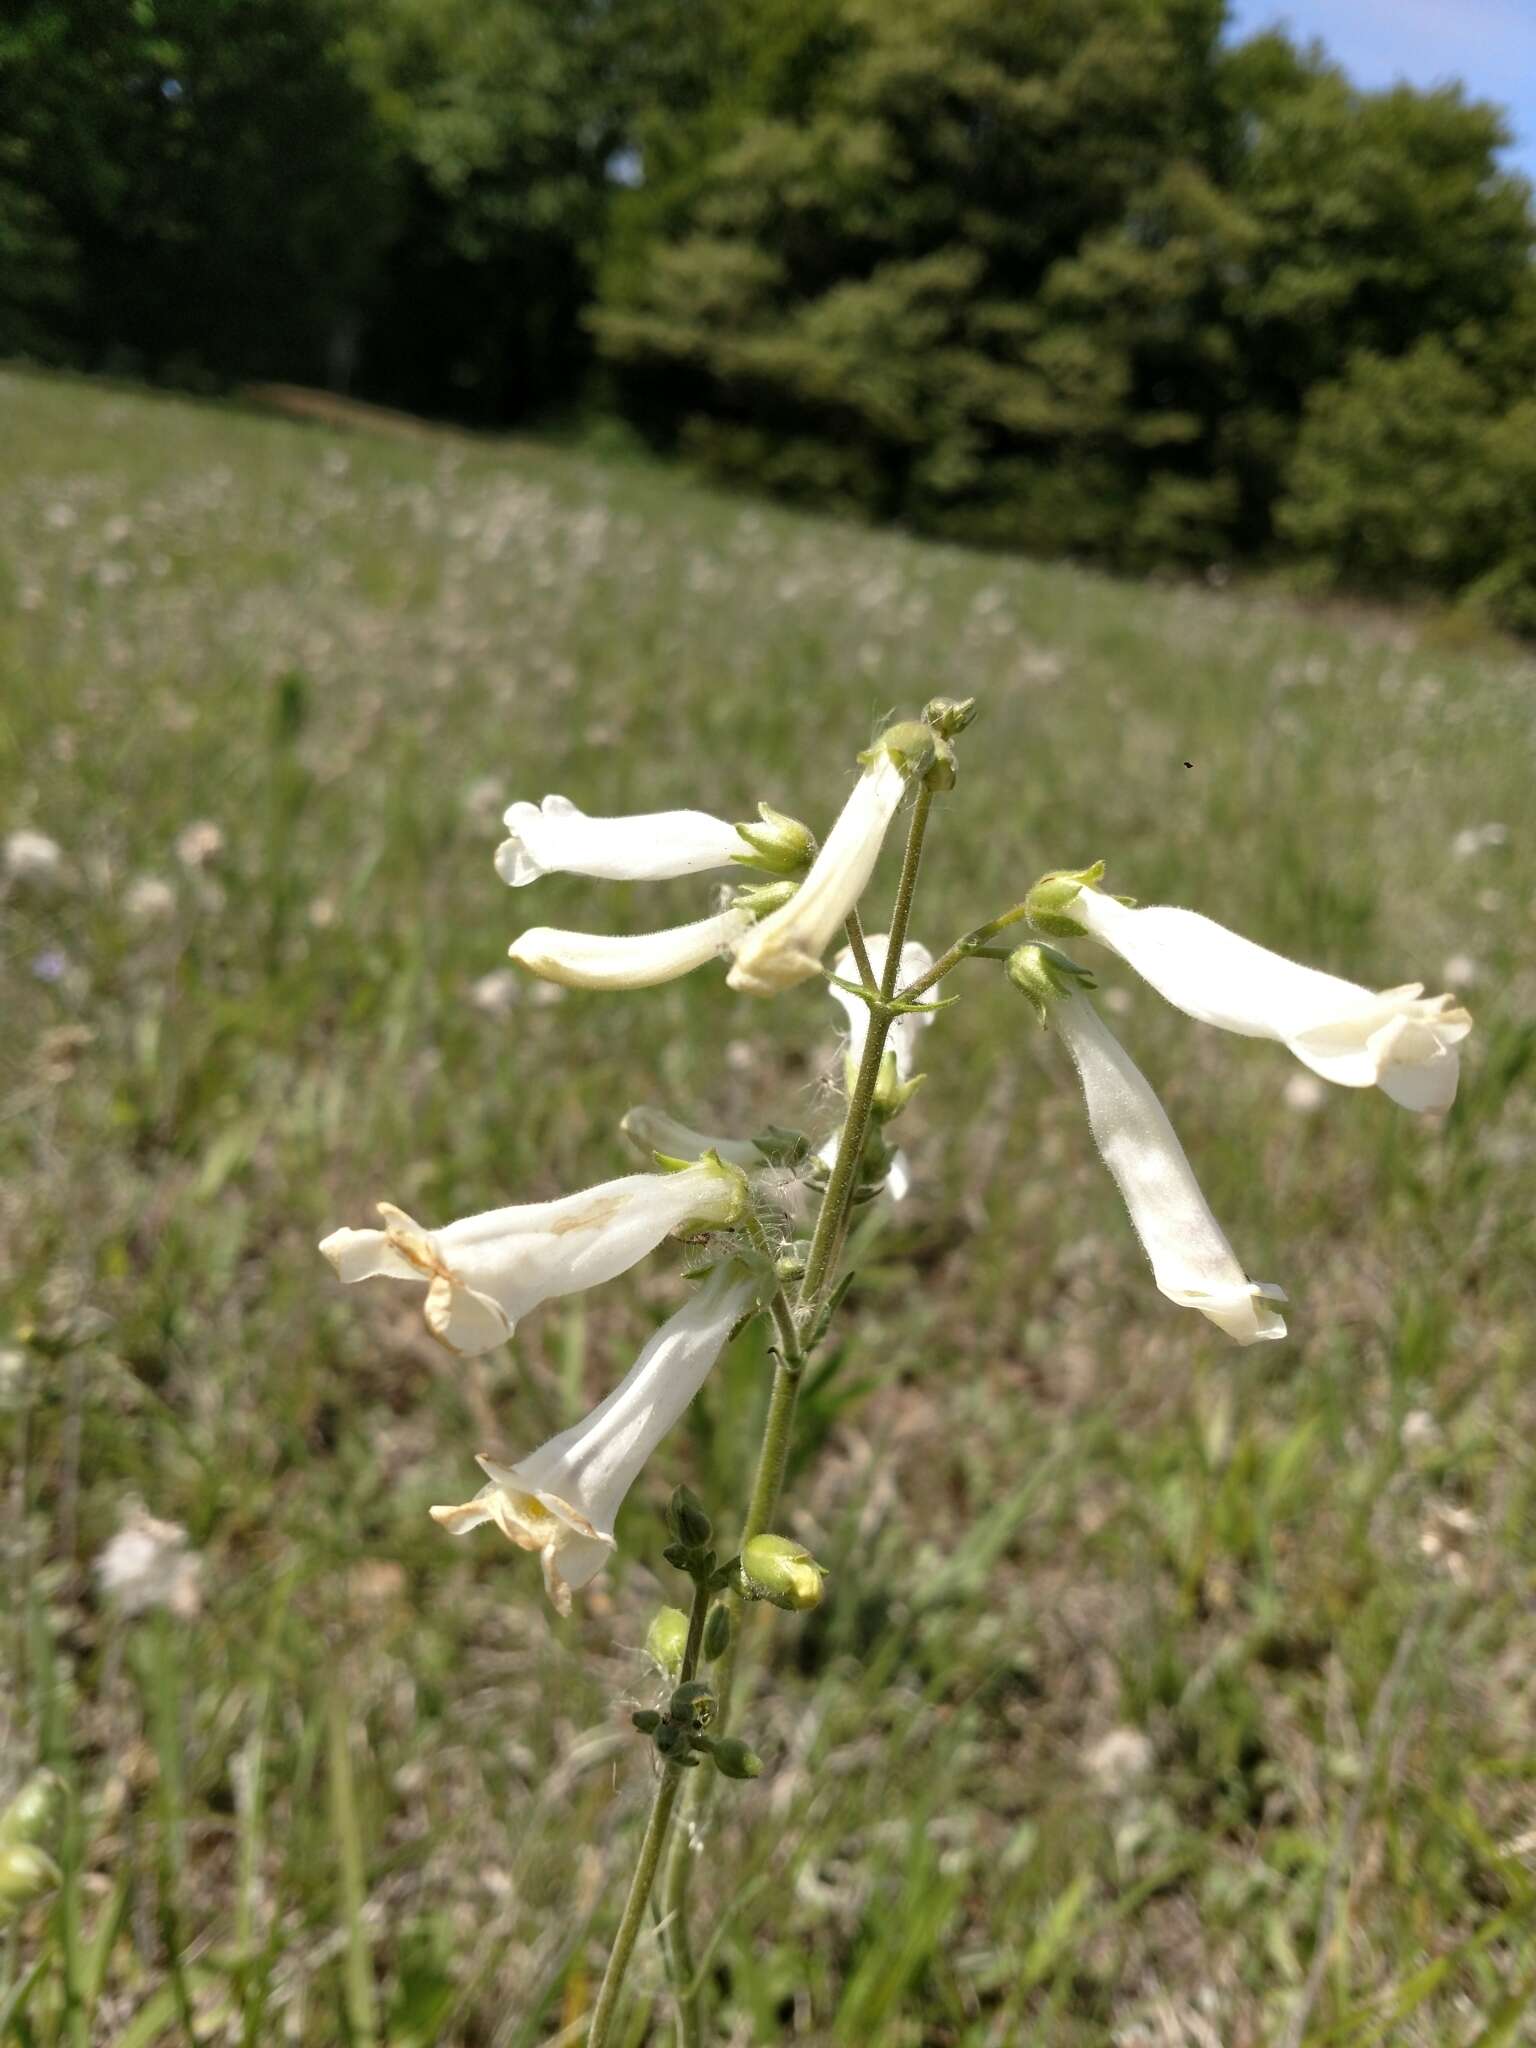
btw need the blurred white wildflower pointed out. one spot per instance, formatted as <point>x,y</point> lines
<point>32,856</point>
<point>1303,1092</point>
<point>485,800</point>
<point>148,1564</point>
<point>1117,1760</point>
<point>149,899</point>
<point>199,843</point>
<point>1462,969</point>
<point>1475,839</point>
<point>496,993</point>
<point>1419,1431</point>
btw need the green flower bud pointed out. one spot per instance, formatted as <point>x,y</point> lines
<point>767,897</point>
<point>35,1814</point>
<point>780,845</point>
<point>776,1569</point>
<point>949,715</point>
<point>892,1094</point>
<point>733,1759</point>
<point>1048,904</point>
<point>27,1874</point>
<point>693,1704</point>
<point>718,1631</point>
<point>647,1720</point>
<point>666,1639</point>
<point>1045,976</point>
<point>781,1147</point>
<point>687,1520</point>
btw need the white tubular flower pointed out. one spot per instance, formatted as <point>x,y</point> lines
<point>555,838</point>
<point>1398,1040</point>
<point>1192,1262</point>
<point>654,1131</point>
<point>900,1043</point>
<point>485,1272</point>
<point>787,946</point>
<point>564,1498</point>
<point>597,960</point>
<point>905,1030</point>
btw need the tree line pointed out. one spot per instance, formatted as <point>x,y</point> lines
<point>1080,277</point>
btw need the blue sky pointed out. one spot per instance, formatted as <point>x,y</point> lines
<point>1489,44</point>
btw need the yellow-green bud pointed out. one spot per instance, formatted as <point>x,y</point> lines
<point>27,1874</point>
<point>733,1759</point>
<point>892,1094</point>
<point>779,845</point>
<point>1048,904</point>
<point>693,1704</point>
<point>1045,976</point>
<point>35,1813</point>
<point>949,715</point>
<point>666,1639</point>
<point>776,1569</point>
<point>765,898</point>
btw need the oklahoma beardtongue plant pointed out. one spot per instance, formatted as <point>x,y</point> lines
<point>736,1198</point>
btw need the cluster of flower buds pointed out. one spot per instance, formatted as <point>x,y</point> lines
<point>682,1736</point>
<point>29,1833</point>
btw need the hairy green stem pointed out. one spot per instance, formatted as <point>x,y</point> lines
<point>791,1325</point>
<point>972,947</point>
<point>651,1847</point>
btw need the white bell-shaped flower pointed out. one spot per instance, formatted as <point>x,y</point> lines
<point>900,1042</point>
<point>599,960</point>
<point>563,1499</point>
<point>1192,1262</point>
<point>484,1273</point>
<point>1397,1039</point>
<point>555,838</point>
<point>786,946</point>
<point>906,1029</point>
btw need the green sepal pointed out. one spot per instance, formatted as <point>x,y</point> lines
<point>911,745</point>
<point>892,1006</point>
<point>1047,903</point>
<point>779,845</point>
<point>1044,975</point>
<point>781,1147</point>
<point>765,898</point>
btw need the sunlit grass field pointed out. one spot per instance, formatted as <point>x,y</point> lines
<point>1094,1737</point>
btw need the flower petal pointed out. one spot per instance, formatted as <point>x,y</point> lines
<point>1192,1262</point>
<point>598,960</point>
<point>556,838</point>
<point>786,947</point>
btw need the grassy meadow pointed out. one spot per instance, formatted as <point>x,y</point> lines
<point>1147,1662</point>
